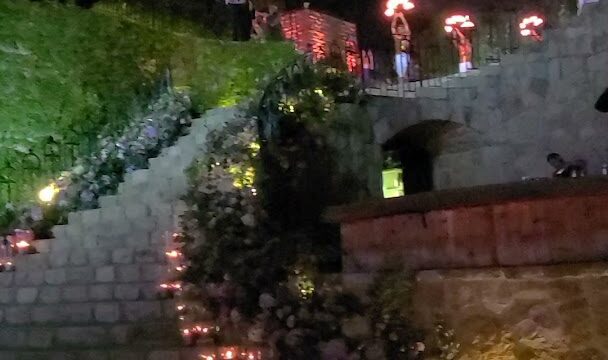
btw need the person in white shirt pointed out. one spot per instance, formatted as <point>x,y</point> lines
<point>582,3</point>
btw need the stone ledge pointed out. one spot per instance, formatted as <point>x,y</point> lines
<point>469,197</point>
<point>550,272</point>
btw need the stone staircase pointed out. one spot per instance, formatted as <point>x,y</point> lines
<point>91,292</point>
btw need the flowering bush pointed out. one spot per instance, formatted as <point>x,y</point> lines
<point>100,173</point>
<point>252,241</point>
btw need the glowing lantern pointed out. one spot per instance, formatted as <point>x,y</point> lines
<point>48,193</point>
<point>229,354</point>
<point>531,27</point>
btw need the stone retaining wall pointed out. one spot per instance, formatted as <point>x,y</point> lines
<point>560,312</point>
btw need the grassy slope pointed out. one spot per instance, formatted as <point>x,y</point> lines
<point>63,67</point>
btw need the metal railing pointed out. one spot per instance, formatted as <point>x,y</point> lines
<point>26,168</point>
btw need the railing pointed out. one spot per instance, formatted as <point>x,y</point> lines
<point>26,168</point>
<point>432,63</point>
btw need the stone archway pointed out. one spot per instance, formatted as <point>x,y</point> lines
<point>417,148</point>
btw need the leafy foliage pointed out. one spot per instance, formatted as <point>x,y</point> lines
<point>255,250</point>
<point>100,172</point>
<point>70,74</point>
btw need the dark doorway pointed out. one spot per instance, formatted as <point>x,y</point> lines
<point>602,102</point>
<point>416,147</point>
<point>417,165</point>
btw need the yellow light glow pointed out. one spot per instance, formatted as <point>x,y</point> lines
<point>48,193</point>
<point>23,244</point>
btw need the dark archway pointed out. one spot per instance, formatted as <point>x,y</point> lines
<point>602,102</point>
<point>415,147</point>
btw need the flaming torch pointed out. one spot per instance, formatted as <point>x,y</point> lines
<point>393,5</point>
<point>456,26</point>
<point>531,26</point>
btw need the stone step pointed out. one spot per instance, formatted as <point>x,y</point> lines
<point>63,294</point>
<point>141,335</point>
<point>141,234</point>
<point>149,352</point>
<point>78,256</point>
<point>88,313</point>
<point>39,274</point>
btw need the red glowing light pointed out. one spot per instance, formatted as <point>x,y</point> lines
<point>531,27</point>
<point>174,286</point>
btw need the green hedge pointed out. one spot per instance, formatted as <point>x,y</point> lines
<point>66,72</point>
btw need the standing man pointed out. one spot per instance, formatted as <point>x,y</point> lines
<point>402,38</point>
<point>241,19</point>
<point>465,49</point>
<point>367,57</point>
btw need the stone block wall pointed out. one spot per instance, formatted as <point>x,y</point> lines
<point>559,312</point>
<point>351,137</point>
<point>93,289</point>
<point>537,101</point>
<point>306,26</point>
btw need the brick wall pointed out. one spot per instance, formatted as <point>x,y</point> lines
<point>307,26</point>
<point>525,232</point>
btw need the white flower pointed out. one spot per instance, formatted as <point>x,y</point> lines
<point>78,170</point>
<point>248,220</point>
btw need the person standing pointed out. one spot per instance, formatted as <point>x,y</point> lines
<point>241,19</point>
<point>465,49</point>
<point>402,38</point>
<point>368,65</point>
<point>565,169</point>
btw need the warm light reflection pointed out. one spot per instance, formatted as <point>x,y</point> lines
<point>460,21</point>
<point>531,27</point>
<point>173,254</point>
